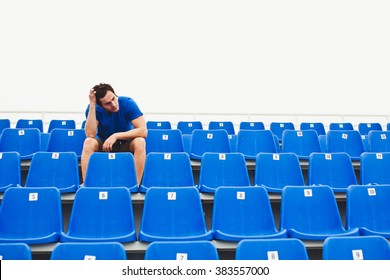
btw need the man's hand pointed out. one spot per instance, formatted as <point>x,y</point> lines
<point>110,141</point>
<point>92,96</point>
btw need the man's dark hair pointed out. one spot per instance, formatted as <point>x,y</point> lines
<point>101,91</point>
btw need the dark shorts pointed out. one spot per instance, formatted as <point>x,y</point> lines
<point>119,146</point>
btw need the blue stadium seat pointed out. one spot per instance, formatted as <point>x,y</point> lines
<point>181,250</point>
<point>119,171</point>
<point>252,142</point>
<point>277,128</point>
<point>311,213</point>
<point>365,128</point>
<point>30,123</point>
<point>233,142</point>
<point>227,125</point>
<point>317,126</point>
<point>349,141</point>
<point>158,125</point>
<point>24,141</point>
<point>367,208</point>
<point>4,123</point>
<point>60,170</point>
<point>15,251</point>
<point>186,127</point>
<point>300,142</point>
<point>243,213</point>
<point>66,140</point>
<point>64,124</point>
<point>10,170</point>
<point>171,214</point>
<point>356,248</point>
<point>204,140</point>
<point>31,215</point>
<point>218,169</point>
<point>164,140</point>
<point>274,171</point>
<point>379,141</point>
<point>375,168</point>
<point>167,170</point>
<point>252,125</point>
<point>271,249</point>
<point>331,169</point>
<point>101,214</point>
<point>341,126</point>
<point>89,251</point>
<point>322,140</point>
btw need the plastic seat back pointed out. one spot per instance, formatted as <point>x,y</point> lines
<point>365,128</point>
<point>274,171</point>
<point>181,250</point>
<point>62,124</point>
<point>251,125</point>
<point>341,126</point>
<point>317,126</point>
<point>379,141</point>
<point>356,248</point>
<point>15,251</point>
<point>10,170</point>
<point>349,141</point>
<point>187,127</point>
<point>60,170</point>
<point>203,141</point>
<point>167,170</point>
<point>89,251</point>
<point>30,123</point>
<point>164,140</point>
<point>31,215</point>
<point>374,168</point>
<point>119,171</point>
<point>24,141</point>
<point>367,208</point>
<point>277,128</point>
<point>271,249</point>
<point>332,169</point>
<point>158,125</point>
<point>171,214</point>
<point>227,125</point>
<point>300,142</point>
<point>252,142</point>
<point>311,213</point>
<point>101,214</point>
<point>66,140</point>
<point>243,213</point>
<point>218,169</point>
<point>4,123</point>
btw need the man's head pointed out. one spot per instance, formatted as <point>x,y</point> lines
<point>106,97</point>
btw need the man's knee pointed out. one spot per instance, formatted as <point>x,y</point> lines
<point>138,145</point>
<point>90,145</point>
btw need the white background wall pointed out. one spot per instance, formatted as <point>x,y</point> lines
<point>295,56</point>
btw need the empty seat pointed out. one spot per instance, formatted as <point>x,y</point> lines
<point>277,128</point>
<point>349,141</point>
<point>60,170</point>
<point>271,249</point>
<point>300,142</point>
<point>101,214</point>
<point>243,213</point>
<point>15,251</point>
<point>65,124</point>
<point>341,126</point>
<point>367,208</point>
<point>158,125</point>
<point>44,141</point>
<point>31,215</point>
<point>10,170</point>
<point>227,125</point>
<point>218,169</point>
<point>66,140</point>
<point>167,170</point>
<point>332,169</point>
<point>365,128</point>
<point>89,251</point>
<point>203,140</point>
<point>374,168</point>
<point>379,141</point>
<point>275,171</point>
<point>252,142</point>
<point>173,214</point>
<point>4,123</point>
<point>322,140</point>
<point>356,248</point>
<point>311,213</point>
<point>186,127</point>
<point>111,170</point>
<point>317,126</point>
<point>164,140</point>
<point>24,141</point>
<point>30,123</point>
<point>181,250</point>
<point>252,125</point>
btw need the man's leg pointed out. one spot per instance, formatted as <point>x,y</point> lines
<point>138,148</point>
<point>91,145</point>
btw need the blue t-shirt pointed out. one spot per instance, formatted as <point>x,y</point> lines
<point>110,123</point>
